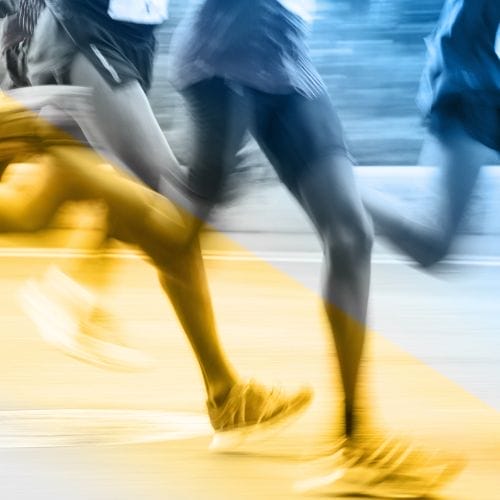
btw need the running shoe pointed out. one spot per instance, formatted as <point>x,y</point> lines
<point>251,412</point>
<point>68,318</point>
<point>381,468</point>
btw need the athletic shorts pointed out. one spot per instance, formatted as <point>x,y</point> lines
<point>259,43</point>
<point>119,56</point>
<point>296,133</point>
<point>480,120</point>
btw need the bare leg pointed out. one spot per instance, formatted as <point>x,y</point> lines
<point>125,124</point>
<point>148,153</point>
<point>428,240</point>
<point>164,233</point>
<point>178,280</point>
<point>30,195</point>
<point>304,140</point>
<point>330,197</point>
<point>143,217</point>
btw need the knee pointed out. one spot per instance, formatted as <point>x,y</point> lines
<point>350,241</point>
<point>187,238</point>
<point>169,245</point>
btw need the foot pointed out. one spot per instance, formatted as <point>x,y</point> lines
<point>67,317</point>
<point>381,468</point>
<point>251,411</point>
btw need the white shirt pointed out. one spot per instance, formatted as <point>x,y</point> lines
<point>139,11</point>
<point>303,8</point>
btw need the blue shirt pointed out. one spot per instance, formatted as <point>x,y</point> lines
<point>258,43</point>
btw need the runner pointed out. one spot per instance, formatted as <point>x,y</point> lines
<point>460,98</point>
<point>31,192</point>
<point>81,43</point>
<point>245,66</point>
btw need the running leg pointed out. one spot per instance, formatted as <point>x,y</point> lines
<point>304,140</point>
<point>428,240</point>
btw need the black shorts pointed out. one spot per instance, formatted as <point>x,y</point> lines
<point>118,52</point>
<point>480,119</point>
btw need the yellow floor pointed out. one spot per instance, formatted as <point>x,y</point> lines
<point>273,329</point>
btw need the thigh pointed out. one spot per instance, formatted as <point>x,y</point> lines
<point>304,141</point>
<point>296,132</point>
<point>460,157</point>
<point>125,124</point>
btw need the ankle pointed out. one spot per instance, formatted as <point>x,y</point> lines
<point>349,422</point>
<point>217,394</point>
